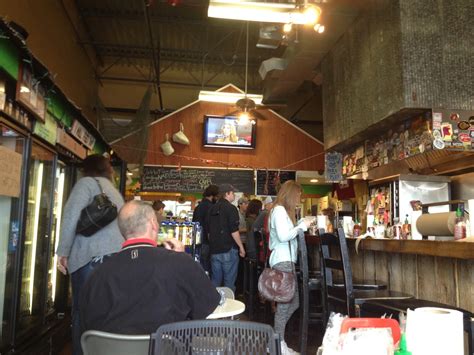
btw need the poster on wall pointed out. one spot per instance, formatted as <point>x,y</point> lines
<point>10,173</point>
<point>333,167</point>
<point>30,93</point>
<point>269,181</point>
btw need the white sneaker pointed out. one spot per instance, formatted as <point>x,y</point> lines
<point>285,350</point>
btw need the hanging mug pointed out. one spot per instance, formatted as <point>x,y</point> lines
<point>166,147</point>
<point>180,137</point>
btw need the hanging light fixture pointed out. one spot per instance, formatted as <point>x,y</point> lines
<point>264,12</point>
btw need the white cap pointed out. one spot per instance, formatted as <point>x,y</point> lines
<point>268,200</point>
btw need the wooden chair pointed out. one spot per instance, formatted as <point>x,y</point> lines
<point>94,342</point>
<point>309,284</point>
<point>336,265</point>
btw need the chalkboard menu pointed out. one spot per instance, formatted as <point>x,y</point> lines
<point>158,179</point>
<point>268,180</point>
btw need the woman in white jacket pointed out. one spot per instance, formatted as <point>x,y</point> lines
<point>283,233</point>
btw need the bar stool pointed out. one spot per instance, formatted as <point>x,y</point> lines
<point>252,270</point>
<point>336,261</point>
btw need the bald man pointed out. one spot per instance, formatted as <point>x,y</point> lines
<point>142,287</point>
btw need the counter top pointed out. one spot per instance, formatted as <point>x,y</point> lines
<point>463,249</point>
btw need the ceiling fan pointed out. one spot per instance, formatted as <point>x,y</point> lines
<point>247,108</point>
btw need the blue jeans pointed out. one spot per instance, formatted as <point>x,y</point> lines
<point>224,267</point>
<point>78,279</point>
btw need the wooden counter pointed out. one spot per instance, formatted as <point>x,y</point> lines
<point>450,249</point>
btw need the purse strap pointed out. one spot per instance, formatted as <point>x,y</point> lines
<point>100,186</point>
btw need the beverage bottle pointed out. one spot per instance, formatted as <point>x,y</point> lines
<point>460,225</point>
<point>406,229</point>
<point>357,231</point>
<point>397,229</point>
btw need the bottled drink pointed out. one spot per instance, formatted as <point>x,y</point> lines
<point>397,229</point>
<point>460,225</point>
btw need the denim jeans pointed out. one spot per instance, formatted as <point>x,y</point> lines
<point>224,268</point>
<point>78,279</point>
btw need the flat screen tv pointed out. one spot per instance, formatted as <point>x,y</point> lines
<point>227,132</point>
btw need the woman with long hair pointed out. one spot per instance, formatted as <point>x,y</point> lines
<point>78,254</point>
<point>228,134</point>
<point>284,246</point>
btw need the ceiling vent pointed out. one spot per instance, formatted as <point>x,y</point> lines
<point>272,64</point>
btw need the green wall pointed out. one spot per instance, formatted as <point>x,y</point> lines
<point>9,56</point>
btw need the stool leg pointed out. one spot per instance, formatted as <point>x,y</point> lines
<point>251,297</point>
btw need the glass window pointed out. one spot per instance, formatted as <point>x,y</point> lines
<point>36,241</point>
<point>9,236</point>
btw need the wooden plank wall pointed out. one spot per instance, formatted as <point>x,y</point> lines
<point>279,143</point>
<point>440,279</point>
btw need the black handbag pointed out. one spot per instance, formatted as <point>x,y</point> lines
<point>98,214</point>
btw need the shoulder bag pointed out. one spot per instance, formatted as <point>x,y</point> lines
<point>98,214</point>
<point>276,285</point>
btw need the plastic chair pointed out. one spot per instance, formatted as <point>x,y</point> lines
<point>350,323</point>
<point>215,337</point>
<point>94,342</point>
<point>335,259</point>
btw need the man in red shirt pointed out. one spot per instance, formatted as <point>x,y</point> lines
<point>142,286</point>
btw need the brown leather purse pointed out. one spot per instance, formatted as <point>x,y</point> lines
<point>276,285</point>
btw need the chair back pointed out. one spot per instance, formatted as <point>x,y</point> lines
<point>94,342</point>
<point>215,337</point>
<point>335,261</point>
<point>228,293</point>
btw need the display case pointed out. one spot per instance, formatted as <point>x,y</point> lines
<point>12,147</point>
<point>37,238</point>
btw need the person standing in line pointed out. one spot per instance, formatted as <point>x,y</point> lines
<point>267,206</point>
<point>253,210</point>
<point>283,238</point>
<point>243,204</point>
<point>77,254</point>
<point>224,239</point>
<point>159,207</point>
<point>200,215</point>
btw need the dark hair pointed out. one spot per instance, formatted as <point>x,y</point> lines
<point>158,205</point>
<point>253,208</point>
<point>211,190</point>
<point>96,166</point>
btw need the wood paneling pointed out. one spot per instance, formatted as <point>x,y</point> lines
<point>279,143</point>
<point>439,279</point>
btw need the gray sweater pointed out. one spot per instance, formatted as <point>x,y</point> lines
<point>79,249</point>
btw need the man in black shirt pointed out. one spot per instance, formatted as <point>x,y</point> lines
<point>200,215</point>
<point>142,287</point>
<point>224,239</point>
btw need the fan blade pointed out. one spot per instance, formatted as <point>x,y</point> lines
<point>258,115</point>
<point>233,113</point>
<point>270,106</point>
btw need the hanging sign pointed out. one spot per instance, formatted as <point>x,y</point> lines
<point>10,173</point>
<point>333,167</point>
<point>30,93</point>
<point>70,143</point>
<point>81,133</point>
<point>47,130</point>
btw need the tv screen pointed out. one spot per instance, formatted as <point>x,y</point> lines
<point>227,132</point>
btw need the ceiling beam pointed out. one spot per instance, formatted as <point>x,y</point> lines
<point>167,54</point>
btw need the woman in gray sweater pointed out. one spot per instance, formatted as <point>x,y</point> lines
<point>77,254</point>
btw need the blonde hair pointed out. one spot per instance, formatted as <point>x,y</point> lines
<point>287,197</point>
<point>233,133</point>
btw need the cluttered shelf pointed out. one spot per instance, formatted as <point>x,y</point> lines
<point>451,249</point>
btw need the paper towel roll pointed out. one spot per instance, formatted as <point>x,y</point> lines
<point>415,234</point>
<point>435,331</point>
<point>436,223</point>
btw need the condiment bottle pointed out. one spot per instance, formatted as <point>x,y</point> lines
<point>357,231</point>
<point>406,229</point>
<point>397,229</point>
<point>460,225</point>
